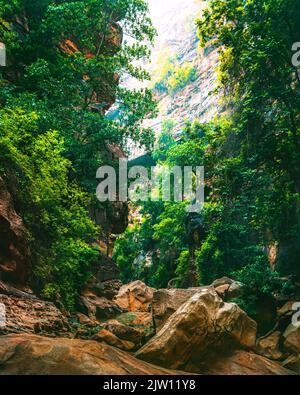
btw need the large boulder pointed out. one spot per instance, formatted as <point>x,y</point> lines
<point>128,331</point>
<point>31,315</point>
<point>35,355</point>
<point>199,328</point>
<point>222,281</point>
<point>292,339</point>
<point>293,363</point>
<point>98,308</point>
<point>288,309</point>
<point>105,336</point>
<point>264,308</point>
<point>141,322</point>
<point>269,346</point>
<point>107,289</point>
<point>124,332</point>
<point>167,301</point>
<point>84,327</point>
<point>135,296</point>
<point>242,363</point>
<point>15,258</point>
<point>228,289</point>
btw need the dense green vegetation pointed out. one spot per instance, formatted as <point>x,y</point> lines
<point>251,158</point>
<point>65,59</point>
<point>54,208</point>
<point>173,76</point>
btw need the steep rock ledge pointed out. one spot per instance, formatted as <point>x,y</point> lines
<point>15,257</point>
<point>35,355</point>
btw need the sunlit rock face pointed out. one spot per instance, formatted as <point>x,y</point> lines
<point>26,313</point>
<point>175,22</point>
<point>177,37</point>
<point>201,327</point>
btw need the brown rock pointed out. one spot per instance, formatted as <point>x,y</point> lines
<point>222,281</point>
<point>112,340</point>
<point>236,290</point>
<point>98,307</point>
<point>136,296</point>
<point>33,316</point>
<point>35,355</point>
<point>136,319</point>
<point>136,328</point>
<point>269,347</point>
<point>292,339</point>
<point>86,321</point>
<point>287,309</point>
<point>167,301</point>
<point>107,289</point>
<point>293,363</point>
<point>201,326</point>
<point>142,322</point>
<point>264,309</point>
<point>246,363</point>
<point>228,289</point>
<point>15,258</point>
<point>124,332</point>
<point>222,290</point>
<point>21,292</point>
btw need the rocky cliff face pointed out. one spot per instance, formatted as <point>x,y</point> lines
<point>177,36</point>
<point>14,247</point>
<point>104,94</point>
<point>15,257</point>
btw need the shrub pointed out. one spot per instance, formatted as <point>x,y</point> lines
<point>53,207</point>
<point>174,76</point>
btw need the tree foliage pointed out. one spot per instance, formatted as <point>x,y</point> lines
<point>251,156</point>
<point>173,75</point>
<point>65,63</point>
<point>54,209</point>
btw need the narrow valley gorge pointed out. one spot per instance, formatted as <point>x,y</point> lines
<point>90,287</point>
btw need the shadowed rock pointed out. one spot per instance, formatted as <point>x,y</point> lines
<point>35,355</point>
<point>14,247</point>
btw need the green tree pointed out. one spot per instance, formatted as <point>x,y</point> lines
<point>65,63</point>
<point>173,76</point>
<point>54,209</point>
<point>262,88</point>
